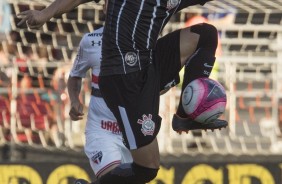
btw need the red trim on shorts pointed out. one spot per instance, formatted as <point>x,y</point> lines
<point>107,166</point>
<point>95,79</point>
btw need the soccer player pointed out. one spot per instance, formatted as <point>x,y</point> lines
<point>104,145</point>
<point>130,77</point>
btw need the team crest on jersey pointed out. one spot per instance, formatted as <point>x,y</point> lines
<point>97,157</point>
<point>172,4</point>
<point>148,125</point>
<point>130,58</point>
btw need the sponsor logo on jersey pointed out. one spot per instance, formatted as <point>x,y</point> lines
<point>97,157</point>
<point>172,4</point>
<point>131,58</point>
<point>95,34</point>
<point>110,126</point>
<point>99,43</point>
<point>148,126</point>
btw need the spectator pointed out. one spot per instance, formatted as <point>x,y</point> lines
<point>5,12</point>
<point>26,82</point>
<point>4,60</point>
<point>4,79</point>
<point>57,97</point>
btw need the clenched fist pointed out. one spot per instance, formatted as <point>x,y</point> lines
<point>76,111</point>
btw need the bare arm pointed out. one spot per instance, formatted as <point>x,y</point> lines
<point>59,7</point>
<point>35,19</point>
<point>74,87</point>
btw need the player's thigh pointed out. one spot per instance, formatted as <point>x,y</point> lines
<point>172,52</point>
<point>103,152</point>
<point>188,44</point>
<point>167,59</point>
<point>119,149</point>
<point>126,156</point>
<point>124,153</point>
<point>147,156</point>
<point>134,100</point>
<point>104,171</point>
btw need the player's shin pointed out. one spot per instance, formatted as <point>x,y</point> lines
<point>199,65</point>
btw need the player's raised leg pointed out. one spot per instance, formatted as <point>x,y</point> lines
<point>198,65</point>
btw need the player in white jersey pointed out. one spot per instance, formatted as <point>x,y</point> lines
<point>104,146</point>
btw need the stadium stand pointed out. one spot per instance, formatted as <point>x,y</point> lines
<point>250,36</point>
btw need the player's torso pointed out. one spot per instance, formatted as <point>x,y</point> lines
<point>88,55</point>
<point>100,119</point>
<point>94,44</point>
<point>131,32</point>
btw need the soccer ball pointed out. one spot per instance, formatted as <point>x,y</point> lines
<point>204,100</point>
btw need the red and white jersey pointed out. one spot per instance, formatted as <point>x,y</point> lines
<point>99,118</point>
<point>89,56</point>
<point>104,144</point>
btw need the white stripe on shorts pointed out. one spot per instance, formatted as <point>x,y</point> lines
<point>128,130</point>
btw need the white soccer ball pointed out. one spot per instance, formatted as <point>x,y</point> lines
<point>204,100</point>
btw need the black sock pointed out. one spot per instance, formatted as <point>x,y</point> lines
<point>199,65</point>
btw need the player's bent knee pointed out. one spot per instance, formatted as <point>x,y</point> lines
<point>208,35</point>
<point>144,174</point>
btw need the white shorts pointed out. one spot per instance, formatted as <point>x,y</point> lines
<point>103,154</point>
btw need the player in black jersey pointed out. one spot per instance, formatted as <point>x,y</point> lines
<point>131,75</point>
<point>132,72</point>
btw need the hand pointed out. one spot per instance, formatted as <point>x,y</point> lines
<point>33,18</point>
<point>76,111</point>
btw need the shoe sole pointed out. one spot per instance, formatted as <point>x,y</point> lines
<point>184,124</point>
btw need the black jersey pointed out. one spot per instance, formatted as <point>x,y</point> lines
<point>131,31</point>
